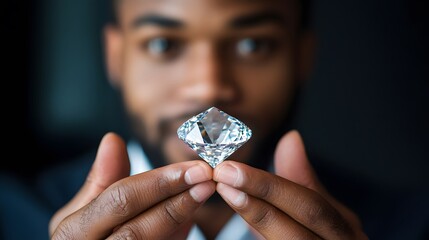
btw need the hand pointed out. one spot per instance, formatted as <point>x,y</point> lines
<point>292,204</point>
<point>152,205</point>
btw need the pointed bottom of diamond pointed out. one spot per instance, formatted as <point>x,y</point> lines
<point>214,154</point>
<point>213,164</point>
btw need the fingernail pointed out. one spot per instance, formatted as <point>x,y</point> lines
<point>236,197</point>
<point>196,174</point>
<point>201,192</point>
<point>228,174</point>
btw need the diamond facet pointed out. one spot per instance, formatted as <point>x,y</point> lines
<point>214,135</point>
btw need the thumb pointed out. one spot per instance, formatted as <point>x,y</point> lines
<point>291,162</point>
<point>111,164</point>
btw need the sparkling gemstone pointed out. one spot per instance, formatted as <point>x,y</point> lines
<point>214,135</point>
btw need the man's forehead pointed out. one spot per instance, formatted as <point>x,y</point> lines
<point>129,10</point>
<point>190,1</point>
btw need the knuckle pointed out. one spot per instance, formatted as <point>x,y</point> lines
<point>63,231</point>
<point>87,216</point>
<point>303,236</point>
<point>266,190</point>
<point>263,218</point>
<point>163,186</point>
<point>313,213</point>
<point>127,232</point>
<point>341,227</point>
<point>320,213</point>
<point>119,201</point>
<point>172,211</point>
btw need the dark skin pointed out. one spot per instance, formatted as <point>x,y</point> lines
<point>172,59</point>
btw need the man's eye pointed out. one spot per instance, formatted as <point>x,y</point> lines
<point>250,47</point>
<point>161,46</point>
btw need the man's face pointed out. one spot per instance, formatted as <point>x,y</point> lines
<point>173,59</point>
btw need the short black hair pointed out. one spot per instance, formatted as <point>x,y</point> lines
<point>305,13</point>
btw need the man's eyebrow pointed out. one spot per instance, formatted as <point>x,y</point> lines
<point>258,18</point>
<point>158,20</point>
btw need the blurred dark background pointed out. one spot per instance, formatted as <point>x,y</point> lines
<point>57,102</point>
<point>365,109</point>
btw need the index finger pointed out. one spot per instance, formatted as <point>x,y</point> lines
<point>131,196</point>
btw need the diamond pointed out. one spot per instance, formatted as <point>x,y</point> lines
<point>214,135</point>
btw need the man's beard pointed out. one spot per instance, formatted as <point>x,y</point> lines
<point>153,150</point>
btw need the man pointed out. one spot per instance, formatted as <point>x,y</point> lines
<point>171,60</point>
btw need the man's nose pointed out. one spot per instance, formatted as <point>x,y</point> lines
<point>208,81</point>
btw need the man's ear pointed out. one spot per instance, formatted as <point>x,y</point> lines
<point>307,54</point>
<point>113,44</point>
